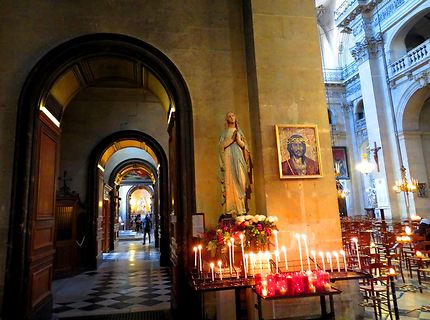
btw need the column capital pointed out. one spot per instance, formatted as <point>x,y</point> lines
<point>369,47</point>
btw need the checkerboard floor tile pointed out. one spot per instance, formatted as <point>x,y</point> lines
<point>128,279</point>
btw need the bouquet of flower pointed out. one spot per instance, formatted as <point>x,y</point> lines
<point>257,230</point>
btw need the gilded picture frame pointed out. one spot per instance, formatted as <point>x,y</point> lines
<point>299,155</point>
<point>340,161</point>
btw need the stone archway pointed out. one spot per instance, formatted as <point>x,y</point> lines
<point>19,280</point>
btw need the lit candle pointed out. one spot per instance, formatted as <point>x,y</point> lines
<point>241,236</point>
<point>306,250</point>
<point>328,254</point>
<point>195,256</point>
<point>245,269</point>
<point>260,258</point>
<point>284,250</point>
<point>344,259</point>
<point>336,255</point>
<point>314,258</point>
<point>419,254</point>
<point>200,257</point>
<point>275,233</point>
<point>220,269</point>
<point>358,252</point>
<point>212,270</point>
<point>321,254</point>
<point>300,251</point>
<point>252,261</point>
<point>229,256</point>
<point>232,249</point>
<point>268,256</point>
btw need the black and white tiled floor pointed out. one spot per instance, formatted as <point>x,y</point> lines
<point>128,280</point>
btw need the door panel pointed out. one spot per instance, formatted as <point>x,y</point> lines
<point>42,220</point>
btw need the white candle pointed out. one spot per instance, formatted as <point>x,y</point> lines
<point>275,233</point>
<point>252,260</point>
<point>336,255</point>
<point>321,254</point>
<point>306,250</point>
<point>232,249</point>
<point>276,260</point>
<point>241,236</point>
<point>260,258</point>
<point>220,269</point>
<point>328,254</point>
<point>246,264</point>
<point>195,257</point>
<point>200,257</point>
<point>358,252</point>
<point>229,256</point>
<point>344,259</point>
<point>212,270</point>
<point>300,251</point>
<point>284,250</point>
<point>268,256</point>
<point>314,258</point>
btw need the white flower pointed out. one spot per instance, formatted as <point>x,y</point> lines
<point>272,219</point>
<point>248,217</point>
<point>240,219</point>
<point>261,217</point>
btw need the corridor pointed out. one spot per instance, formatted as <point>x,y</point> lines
<point>128,280</point>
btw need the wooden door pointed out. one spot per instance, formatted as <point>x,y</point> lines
<point>106,225</point>
<point>42,219</point>
<point>66,259</point>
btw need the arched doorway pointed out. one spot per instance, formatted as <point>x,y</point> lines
<point>30,248</point>
<point>121,141</point>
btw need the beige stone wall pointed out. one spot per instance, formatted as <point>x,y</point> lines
<point>204,39</point>
<point>291,91</point>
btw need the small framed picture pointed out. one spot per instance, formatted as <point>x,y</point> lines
<point>298,151</point>
<point>340,161</point>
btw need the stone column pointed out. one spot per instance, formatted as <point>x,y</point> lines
<point>379,119</point>
<point>284,68</point>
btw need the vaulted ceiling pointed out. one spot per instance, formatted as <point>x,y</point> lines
<point>103,71</point>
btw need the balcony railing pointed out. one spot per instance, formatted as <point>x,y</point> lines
<point>340,75</point>
<point>333,75</point>
<point>347,11</point>
<point>413,58</point>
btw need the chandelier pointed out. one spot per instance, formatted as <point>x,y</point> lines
<point>365,166</point>
<point>404,185</point>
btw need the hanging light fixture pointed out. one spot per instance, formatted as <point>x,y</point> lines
<point>365,166</point>
<point>404,185</point>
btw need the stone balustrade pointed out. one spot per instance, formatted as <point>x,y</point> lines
<point>415,57</point>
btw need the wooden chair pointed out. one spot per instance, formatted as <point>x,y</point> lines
<point>376,289</point>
